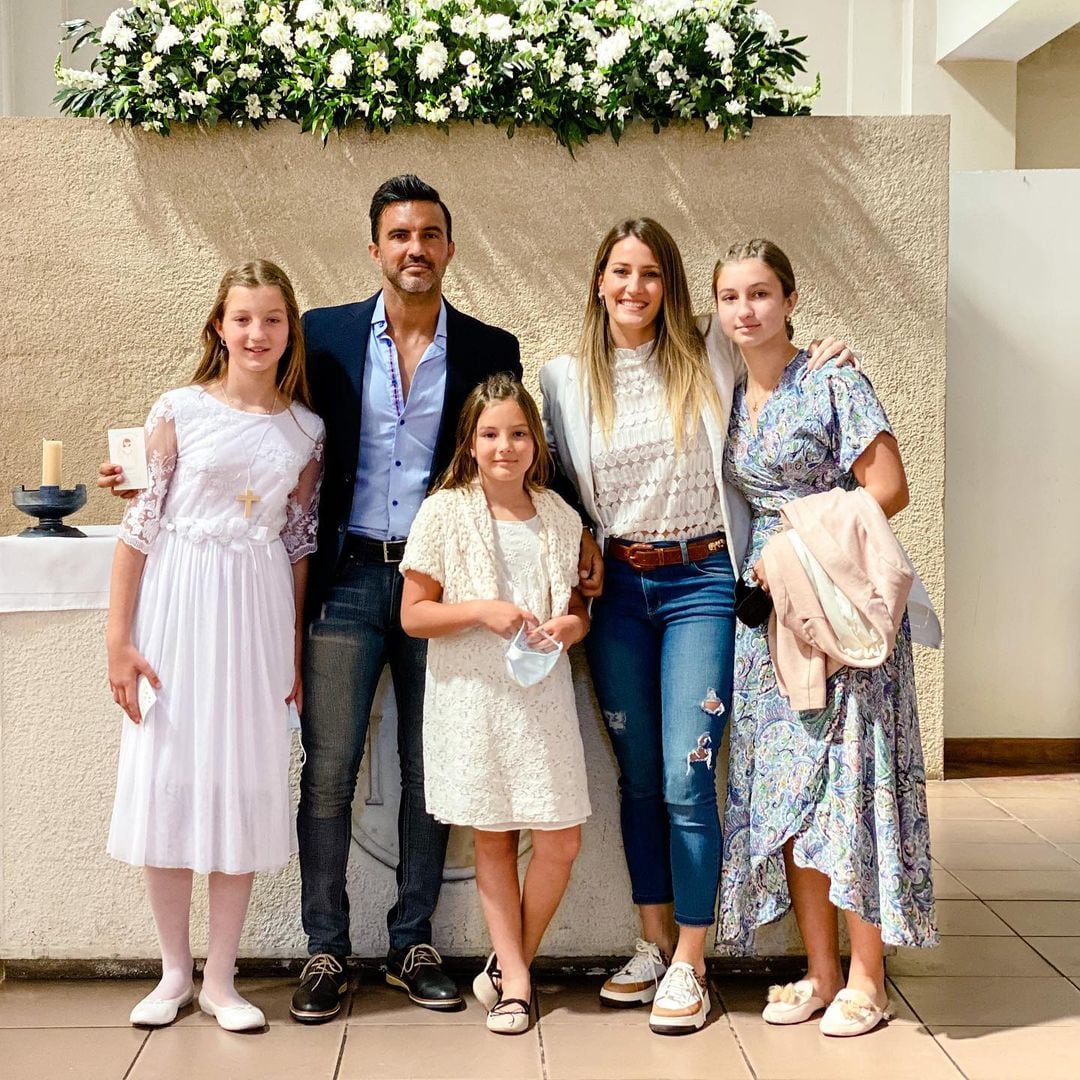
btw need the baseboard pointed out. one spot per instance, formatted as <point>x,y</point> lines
<point>369,969</point>
<point>1055,752</point>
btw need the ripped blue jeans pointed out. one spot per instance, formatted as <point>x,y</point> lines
<point>661,651</point>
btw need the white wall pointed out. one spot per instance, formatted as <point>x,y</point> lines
<point>1012,518</point>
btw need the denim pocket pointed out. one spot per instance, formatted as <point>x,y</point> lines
<point>717,565</point>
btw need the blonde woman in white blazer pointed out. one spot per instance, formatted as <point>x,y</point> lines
<point>637,423</point>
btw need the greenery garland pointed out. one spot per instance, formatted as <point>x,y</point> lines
<point>578,68</point>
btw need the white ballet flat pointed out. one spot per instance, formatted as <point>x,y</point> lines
<point>246,1017</point>
<point>793,1003</point>
<point>852,1013</point>
<point>484,987</point>
<point>157,1012</point>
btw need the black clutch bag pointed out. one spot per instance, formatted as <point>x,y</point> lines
<point>753,605</point>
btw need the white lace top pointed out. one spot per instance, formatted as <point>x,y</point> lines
<point>520,567</point>
<point>644,490</point>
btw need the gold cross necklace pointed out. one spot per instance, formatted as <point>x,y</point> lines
<point>248,497</point>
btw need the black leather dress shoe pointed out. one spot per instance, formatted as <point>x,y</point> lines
<point>323,983</point>
<point>418,971</point>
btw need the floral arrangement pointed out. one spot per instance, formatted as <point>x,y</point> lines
<point>578,67</point>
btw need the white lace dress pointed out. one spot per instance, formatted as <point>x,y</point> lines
<point>203,780</point>
<point>497,755</point>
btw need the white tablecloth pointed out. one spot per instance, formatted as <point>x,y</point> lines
<point>57,574</point>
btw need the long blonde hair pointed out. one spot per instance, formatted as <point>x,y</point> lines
<point>291,375</point>
<point>679,350</point>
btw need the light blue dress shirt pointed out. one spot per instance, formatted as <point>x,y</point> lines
<point>397,436</point>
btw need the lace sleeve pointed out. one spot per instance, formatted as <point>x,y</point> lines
<point>301,528</point>
<point>142,519</point>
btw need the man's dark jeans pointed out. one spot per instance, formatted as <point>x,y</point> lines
<point>356,634</point>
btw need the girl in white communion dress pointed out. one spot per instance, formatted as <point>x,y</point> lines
<point>204,634</point>
<point>492,556</point>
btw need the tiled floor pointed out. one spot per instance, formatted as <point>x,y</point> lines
<point>999,1000</point>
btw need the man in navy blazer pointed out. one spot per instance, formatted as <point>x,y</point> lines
<point>389,377</point>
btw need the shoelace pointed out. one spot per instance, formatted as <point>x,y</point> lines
<point>680,987</point>
<point>644,962</point>
<point>418,956</point>
<point>319,965</point>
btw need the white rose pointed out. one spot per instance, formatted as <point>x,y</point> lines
<point>498,27</point>
<point>718,42</point>
<point>610,50</point>
<point>341,63</point>
<point>466,57</point>
<point>431,61</point>
<point>276,34</point>
<point>169,37</point>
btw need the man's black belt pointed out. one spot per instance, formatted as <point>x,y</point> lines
<point>365,549</point>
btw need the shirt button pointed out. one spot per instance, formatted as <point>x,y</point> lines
<point>402,423</point>
<point>393,502</point>
<point>398,464</point>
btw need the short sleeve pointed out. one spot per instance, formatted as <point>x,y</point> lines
<point>300,532</point>
<point>142,519</point>
<point>858,415</point>
<point>426,545</point>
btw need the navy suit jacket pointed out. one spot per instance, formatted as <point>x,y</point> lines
<point>336,339</point>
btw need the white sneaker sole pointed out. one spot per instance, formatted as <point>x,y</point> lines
<point>631,1000</point>
<point>681,1025</point>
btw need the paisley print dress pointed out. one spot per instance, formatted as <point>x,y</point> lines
<point>847,783</point>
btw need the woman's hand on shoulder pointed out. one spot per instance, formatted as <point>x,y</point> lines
<point>824,350</point>
<point>126,664</point>
<point>503,618</point>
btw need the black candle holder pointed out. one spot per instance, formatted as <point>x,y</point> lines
<point>50,506</point>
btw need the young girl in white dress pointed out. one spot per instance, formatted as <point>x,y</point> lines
<point>492,553</point>
<point>207,591</point>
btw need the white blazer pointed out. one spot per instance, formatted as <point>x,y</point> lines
<point>568,428</point>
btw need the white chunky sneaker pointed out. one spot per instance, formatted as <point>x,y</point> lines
<point>681,1003</point>
<point>635,983</point>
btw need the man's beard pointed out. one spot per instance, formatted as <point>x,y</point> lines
<point>412,283</point>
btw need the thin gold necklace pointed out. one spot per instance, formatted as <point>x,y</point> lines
<point>271,411</point>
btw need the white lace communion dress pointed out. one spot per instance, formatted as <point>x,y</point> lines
<point>203,780</point>
<point>498,756</point>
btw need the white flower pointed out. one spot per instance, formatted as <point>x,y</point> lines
<point>681,73</point>
<point>606,9</point>
<point>200,30</point>
<point>213,84</point>
<point>466,57</point>
<point>308,10</point>
<point>310,39</point>
<point>304,82</point>
<point>125,38</point>
<point>81,80</point>
<point>335,81</point>
<point>718,42</point>
<point>248,71</point>
<point>403,41</point>
<point>498,27</point>
<point>576,83</point>
<point>610,50</point>
<point>459,25</point>
<point>276,34</point>
<point>219,54</point>
<point>712,120</point>
<point>232,11</point>
<point>765,24</point>
<point>736,108</point>
<point>431,61</point>
<point>663,79</point>
<point>662,59</point>
<point>389,112</point>
<point>341,63</point>
<point>113,25</point>
<point>199,65</point>
<point>364,106</point>
<point>603,90</point>
<point>169,37</point>
<point>379,63</point>
<point>473,70</point>
<point>523,45</point>
<point>526,93</point>
<point>663,11</point>
<point>253,106</point>
<point>147,81</point>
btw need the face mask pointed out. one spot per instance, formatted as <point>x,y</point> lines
<point>528,662</point>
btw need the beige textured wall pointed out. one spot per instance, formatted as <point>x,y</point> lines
<point>1048,105</point>
<point>111,244</point>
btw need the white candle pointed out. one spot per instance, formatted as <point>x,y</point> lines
<point>52,452</point>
